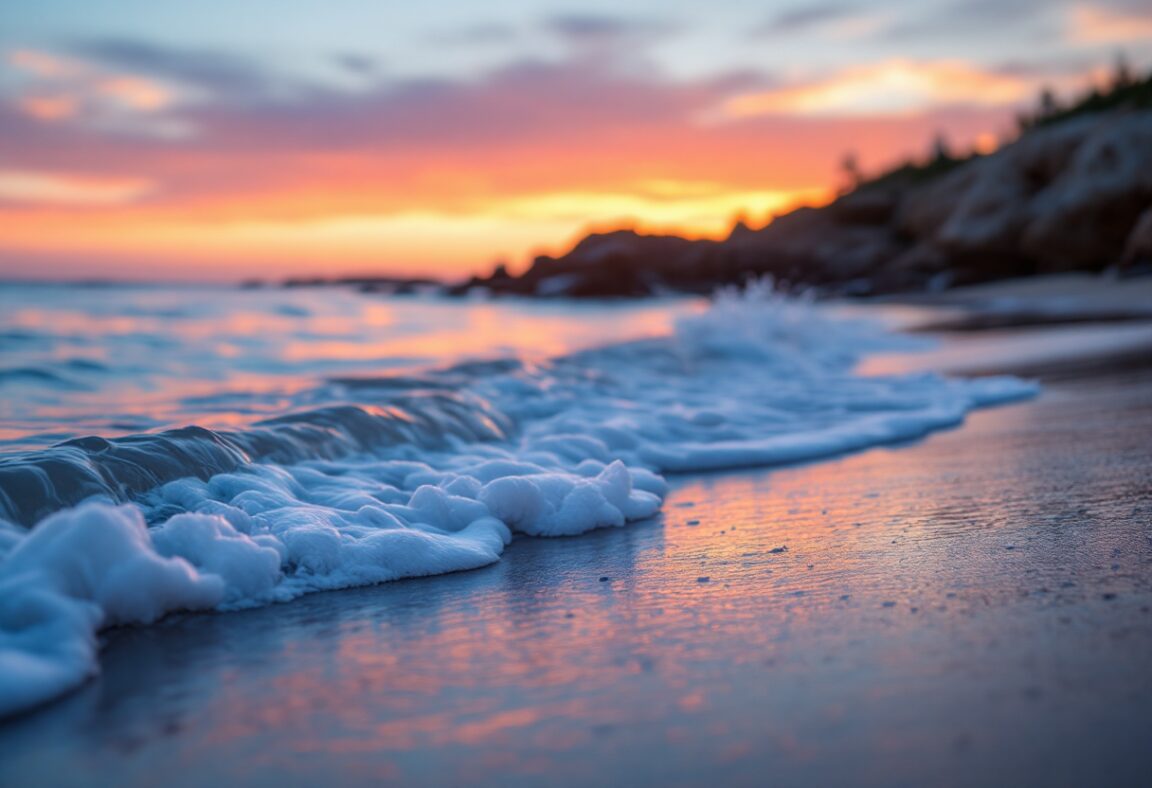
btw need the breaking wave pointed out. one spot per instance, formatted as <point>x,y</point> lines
<point>415,475</point>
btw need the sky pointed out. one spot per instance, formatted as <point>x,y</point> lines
<point>270,138</point>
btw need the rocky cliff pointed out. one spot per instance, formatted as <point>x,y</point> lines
<point>1073,195</point>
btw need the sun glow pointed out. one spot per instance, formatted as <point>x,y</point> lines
<point>408,243</point>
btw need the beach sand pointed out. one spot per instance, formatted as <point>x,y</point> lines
<point>972,608</point>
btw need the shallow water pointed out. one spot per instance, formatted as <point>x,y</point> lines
<point>896,641</point>
<point>121,359</point>
<point>339,440</point>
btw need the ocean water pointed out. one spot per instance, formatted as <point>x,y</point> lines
<point>168,448</point>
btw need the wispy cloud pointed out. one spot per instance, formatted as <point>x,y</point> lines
<point>523,130</point>
<point>62,88</point>
<point>1115,23</point>
<point>482,34</point>
<point>894,86</point>
<point>585,29</point>
<point>225,74</point>
<point>967,17</point>
<point>21,186</point>
<point>799,19</point>
<point>357,63</point>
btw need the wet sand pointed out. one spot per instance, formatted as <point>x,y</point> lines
<point>973,608</point>
<point>1053,299</point>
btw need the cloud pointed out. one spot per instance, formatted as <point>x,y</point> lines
<point>396,142</point>
<point>475,35</point>
<point>529,99</point>
<point>1132,8</point>
<point>584,29</point>
<point>357,63</point>
<point>46,65</point>
<point>893,86</point>
<point>49,107</point>
<point>1115,23</point>
<point>20,186</point>
<point>975,16</point>
<point>224,74</point>
<point>55,89</point>
<point>522,131</point>
<point>800,19</point>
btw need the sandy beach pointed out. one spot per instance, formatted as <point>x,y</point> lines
<point>972,608</point>
<point>561,393</point>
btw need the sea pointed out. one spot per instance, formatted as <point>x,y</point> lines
<point>206,447</point>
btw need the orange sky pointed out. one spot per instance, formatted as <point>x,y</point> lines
<point>131,160</point>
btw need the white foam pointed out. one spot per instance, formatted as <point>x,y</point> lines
<point>77,571</point>
<point>757,380</point>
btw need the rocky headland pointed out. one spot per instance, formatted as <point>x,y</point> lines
<point>1071,193</point>
<point>1069,196</point>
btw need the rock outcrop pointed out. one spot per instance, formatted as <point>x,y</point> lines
<point>1062,198</point>
<point>1075,195</point>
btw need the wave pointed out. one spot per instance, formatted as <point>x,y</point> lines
<point>402,476</point>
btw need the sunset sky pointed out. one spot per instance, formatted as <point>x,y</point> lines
<point>192,140</point>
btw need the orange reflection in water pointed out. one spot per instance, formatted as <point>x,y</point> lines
<point>478,330</point>
<point>109,361</point>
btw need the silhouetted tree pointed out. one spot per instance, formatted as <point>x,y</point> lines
<point>941,150</point>
<point>850,168</point>
<point>1122,76</point>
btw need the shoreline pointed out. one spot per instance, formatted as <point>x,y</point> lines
<point>704,652</point>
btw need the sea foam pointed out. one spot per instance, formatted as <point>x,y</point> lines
<point>393,478</point>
